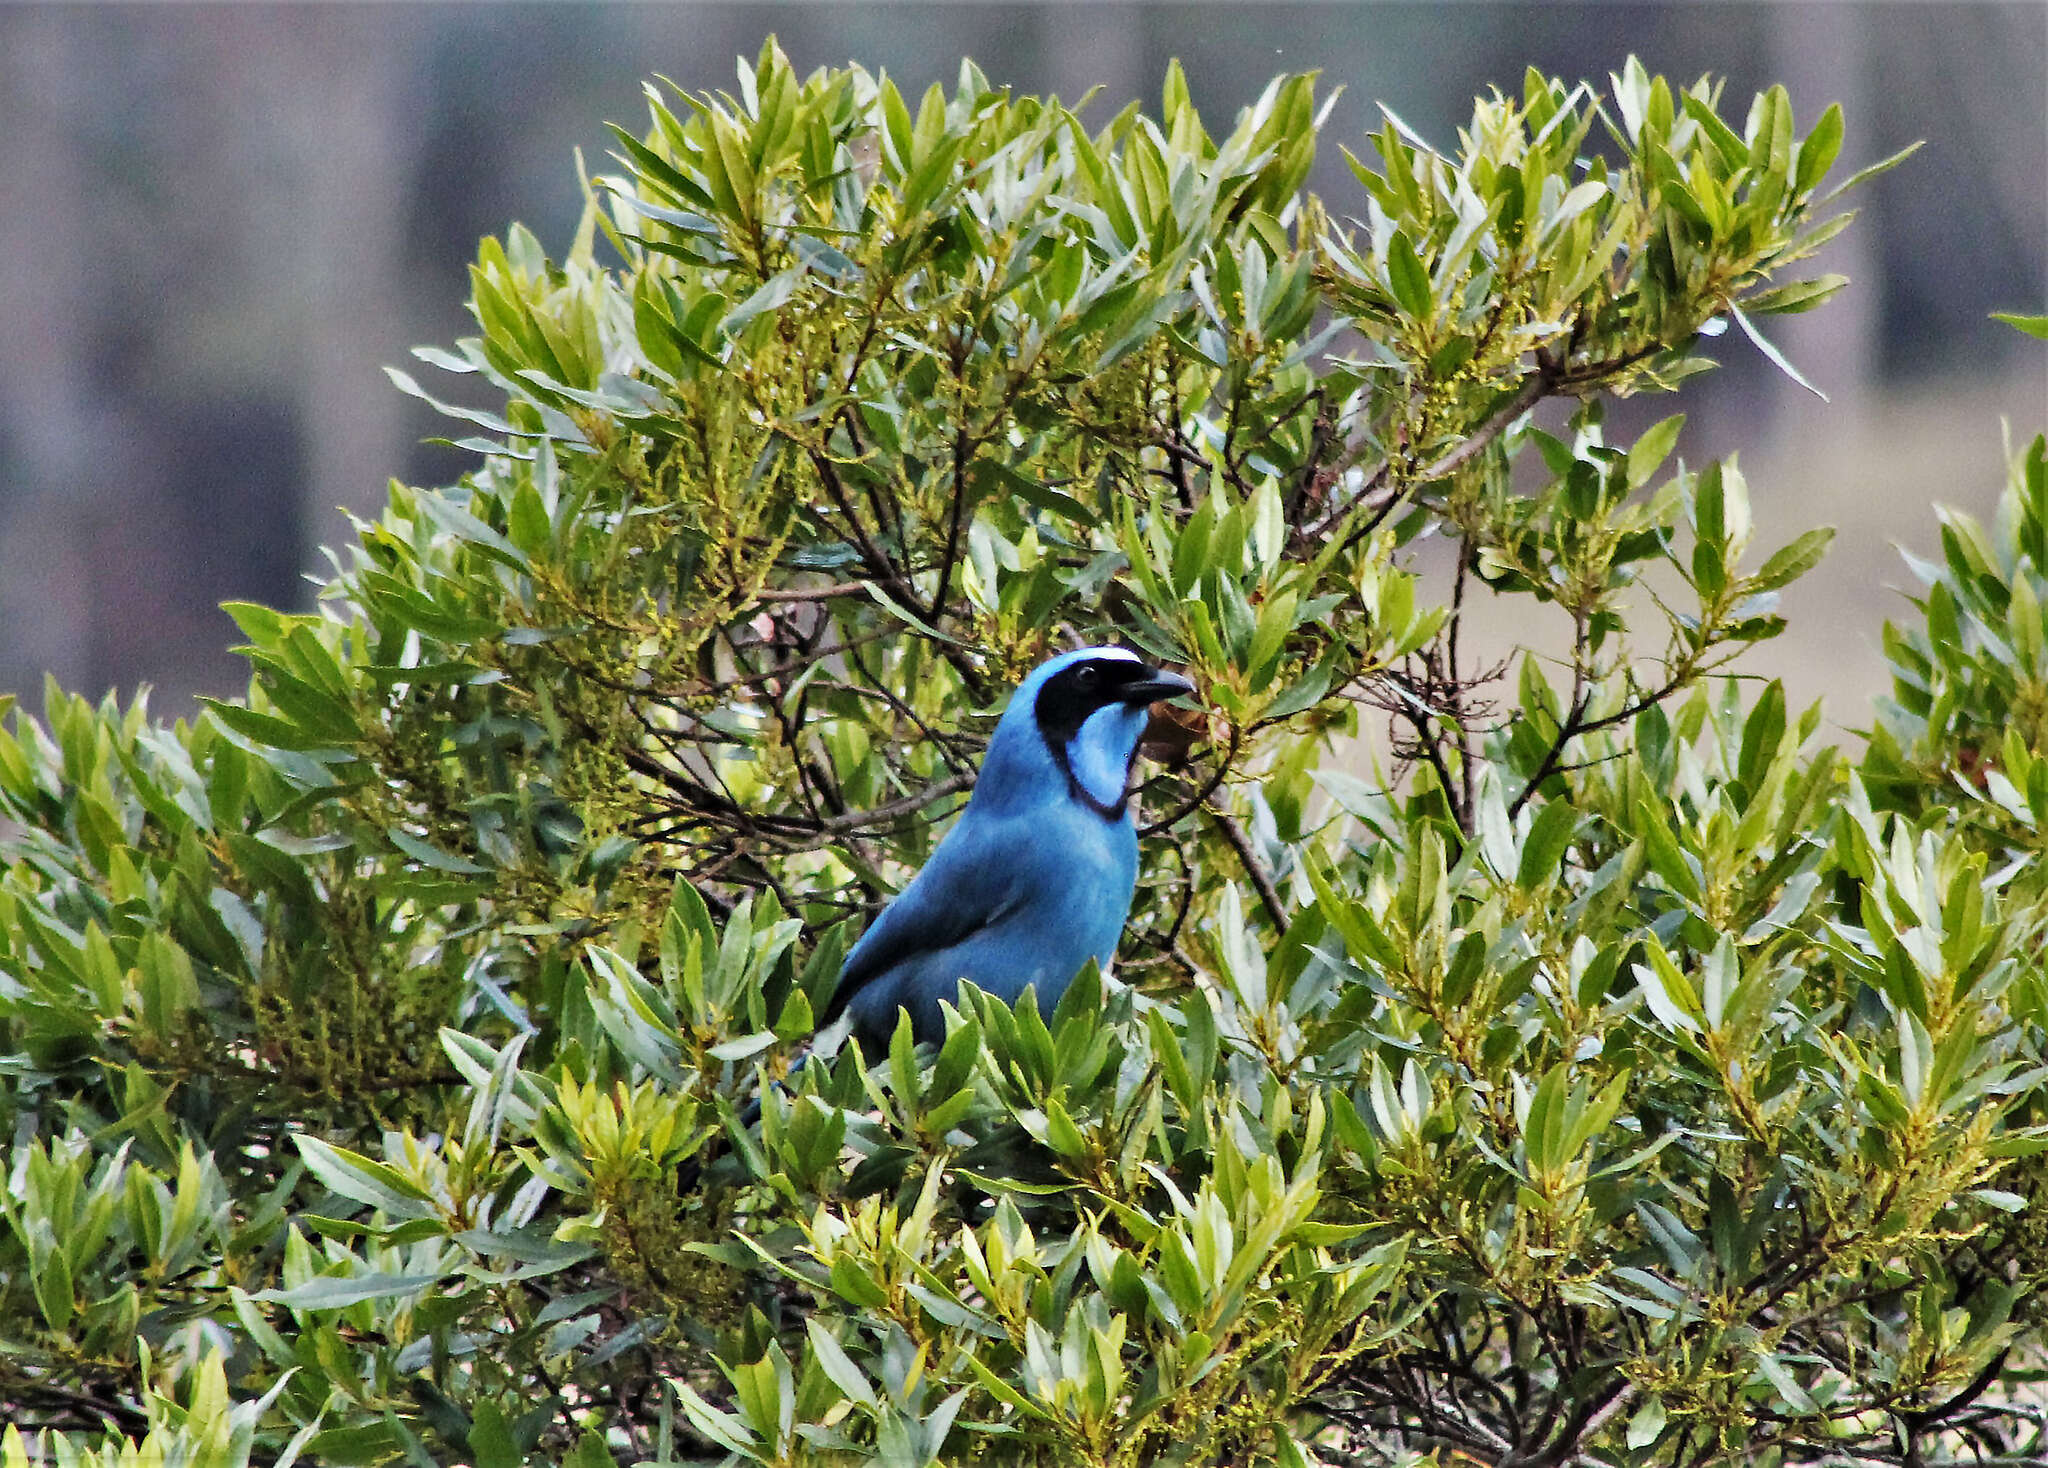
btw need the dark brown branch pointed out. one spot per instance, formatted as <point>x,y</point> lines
<point>796,665</point>
<point>1393,1416</point>
<point>113,1415</point>
<point>882,814</point>
<point>1551,378</point>
<point>1174,446</point>
<point>1168,943</point>
<point>1321,435</point>
<point>963,453</point>
<point>1587,1419</point>
<point>1201,797</point>
<point>1464,734</point>
<point>1254,869</point>
<point>1576,726</point>
<point>1979,1384</point>
<point>944,744</point>
<point>872,554</point>
<point>1538,386</point>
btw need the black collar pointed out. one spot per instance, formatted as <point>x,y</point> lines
<point>1081,792</point>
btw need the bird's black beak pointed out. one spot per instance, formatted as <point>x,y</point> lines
<point>1156,684</point>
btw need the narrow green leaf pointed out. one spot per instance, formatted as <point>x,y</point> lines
<point>1817,153</point>
<point>1883,165</point>
<point>364,1179</point>
<point>1409,281</point>
<point>1549,838</point>
<point>331,1293</point>
<point>1789,562</point>
<point>1778,359</point>
<point>1648,453</point>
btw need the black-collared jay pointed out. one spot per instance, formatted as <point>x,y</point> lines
<point>1035,878</point>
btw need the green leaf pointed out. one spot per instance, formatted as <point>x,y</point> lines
<point>2034,326</point>
<point>367,1181</point>
<point>1648,453</point>
<point>329,1292</point>
<point>838,1366</point>
<point>1788,1388</point>
<point>1548,840</point>
<point>1788,563</point>
<point>1883,165</point>
<point>1410,282</point>
<point>430,855</point>
<point>1646,1425</point>
<point>1817,153</point>
<point>461,523</point>
<point>262,728</point>
<point>590,1452</point>
<point>1795,296</point>
<point>490,1438</point>
<point>1667,992</point>
<point>1777,358</point>
<point>991,476</point>
<point>54,1290</point>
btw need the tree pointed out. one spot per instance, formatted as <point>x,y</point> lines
<point>1626,1076</point>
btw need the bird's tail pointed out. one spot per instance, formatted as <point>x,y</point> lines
<point>750,1114</point>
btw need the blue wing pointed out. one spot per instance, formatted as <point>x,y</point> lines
<point>959,892</point>
<point>1006,901</point>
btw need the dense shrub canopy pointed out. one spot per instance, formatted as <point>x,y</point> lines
<point>1617,1072</point>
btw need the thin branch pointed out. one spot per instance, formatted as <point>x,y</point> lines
<point>1583,1424</point>
<point>1979,1384</point>
<point>960,764</point>
<point>1457,689</point>
<point>882,814</point>
<point>1173,445</point>
<point>113,1414</point>
<point>794,832</point>
<point>963,451</point>
<point>1576,725</point>
<point>812,593</point>
<point>1537,386</point>
<point>1201,797</point>
<point>1552,378</point>
<point>878,562</point>
<point>1254,869</point>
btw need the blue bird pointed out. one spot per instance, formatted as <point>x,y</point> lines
<point>1035,878</point>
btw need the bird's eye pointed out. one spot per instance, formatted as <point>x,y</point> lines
<point>1087,676</point>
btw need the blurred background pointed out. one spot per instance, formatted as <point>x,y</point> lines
<point>219,222</point>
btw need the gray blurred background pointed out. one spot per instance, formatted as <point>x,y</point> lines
<point>219,222</point>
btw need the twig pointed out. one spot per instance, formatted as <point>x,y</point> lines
<point>1533,391</point>
<point>882,814</point>
<point>112,1414</point>
<point>1565,1448</point>
<point>1254,869</point>
<point>878,562</point>
<point>1457,690</point>
<point>811,593</point>
<point>963,452</point>
<point>1551,378</point>
<point>1537,386</point>
<point>1201,797</point>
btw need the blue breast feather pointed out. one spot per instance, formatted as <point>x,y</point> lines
<point>1100,755</point>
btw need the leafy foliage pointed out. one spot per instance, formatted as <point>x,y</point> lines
<point>1623,1074</point>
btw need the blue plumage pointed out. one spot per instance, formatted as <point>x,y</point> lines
<point>1035,878</point>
